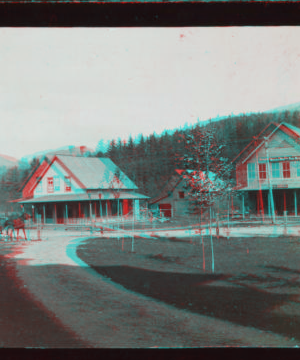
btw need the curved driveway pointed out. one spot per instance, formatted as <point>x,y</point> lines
<point>104,314</point>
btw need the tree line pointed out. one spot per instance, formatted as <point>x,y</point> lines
<point>149,161</point>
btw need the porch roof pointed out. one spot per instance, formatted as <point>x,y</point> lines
<point>82,197</point>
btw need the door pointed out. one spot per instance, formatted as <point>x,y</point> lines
<point>165,210</point>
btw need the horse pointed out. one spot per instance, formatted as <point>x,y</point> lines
<point>17,221</point>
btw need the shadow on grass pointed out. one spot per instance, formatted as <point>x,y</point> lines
<point>282,269</point>
<point>196,293</point>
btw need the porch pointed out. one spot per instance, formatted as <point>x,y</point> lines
<point>82,212</point>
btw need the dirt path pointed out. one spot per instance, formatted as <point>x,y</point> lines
<point>105,314</point>
<point>24,323</point>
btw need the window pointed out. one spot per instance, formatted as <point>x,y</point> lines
<point>67,183</point>
<point>286,169</point>
<point>38,189</point>
<point>251,171</point>
<point>275,170</point>
<point>181,194</point>
<point>298,168</point>
<point>56,183</point>
<point>262,171</point>
<point>50,184</point>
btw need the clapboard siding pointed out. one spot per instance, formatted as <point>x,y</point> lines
<point>280,145</point>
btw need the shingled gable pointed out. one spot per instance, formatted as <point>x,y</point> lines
<point>46,163</point>
<point>254,144</point>
<point>290,130</point>
<point>29,187</point>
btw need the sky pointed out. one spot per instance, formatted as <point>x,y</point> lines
<point>76,86</point>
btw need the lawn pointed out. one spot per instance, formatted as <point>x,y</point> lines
<point>255,283</point>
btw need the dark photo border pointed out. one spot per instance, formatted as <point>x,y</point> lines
<point>164,14</point>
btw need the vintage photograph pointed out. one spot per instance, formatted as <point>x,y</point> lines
<point>150,187</point>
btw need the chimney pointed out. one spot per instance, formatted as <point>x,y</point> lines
<point>82,150</point>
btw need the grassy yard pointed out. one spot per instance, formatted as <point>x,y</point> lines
<point>255,283</point>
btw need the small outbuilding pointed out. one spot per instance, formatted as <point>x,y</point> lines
<point>174,198</point>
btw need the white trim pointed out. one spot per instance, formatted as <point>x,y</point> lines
<point>267,139</point>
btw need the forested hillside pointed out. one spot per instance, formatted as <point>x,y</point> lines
<point>151,160</point>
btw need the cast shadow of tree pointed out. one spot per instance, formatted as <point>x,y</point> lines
<point>242,305</point>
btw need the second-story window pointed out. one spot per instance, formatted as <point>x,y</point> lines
<point>181,194</point>
<point>50,184</point>
<point>262,171</point>
<point>275,170</point>
<point>298,168</point>
<point>56,183</point>
<point>67,183</point>
<point>286,169</point>
<point>251,171</point>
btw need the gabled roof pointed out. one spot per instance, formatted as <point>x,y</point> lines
<point>255,143</point>
<point>293,128</point>
<point>268,131</point>
<point>30,182</point>
<point>88,172</point>
<point>169,186</point>
<point>96,173</point>
<point>176,179</point>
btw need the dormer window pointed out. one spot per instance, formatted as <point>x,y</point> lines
<point>67,183</point>
<point>181,194</point>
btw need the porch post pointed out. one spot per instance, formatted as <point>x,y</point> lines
<point>136,209</point>
<point>44,213</point>
<point>95,210</point>
<point>295,197</point>
<point>55,214</point>
<point>100,208</point>
<point>66,213</point>
<point>91,211</point>
<point>269,203</point>
<point>243,204</point>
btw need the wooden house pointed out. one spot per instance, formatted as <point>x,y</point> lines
<point>174,199</point>
<point>268,170</point>
<point>64,188</point>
